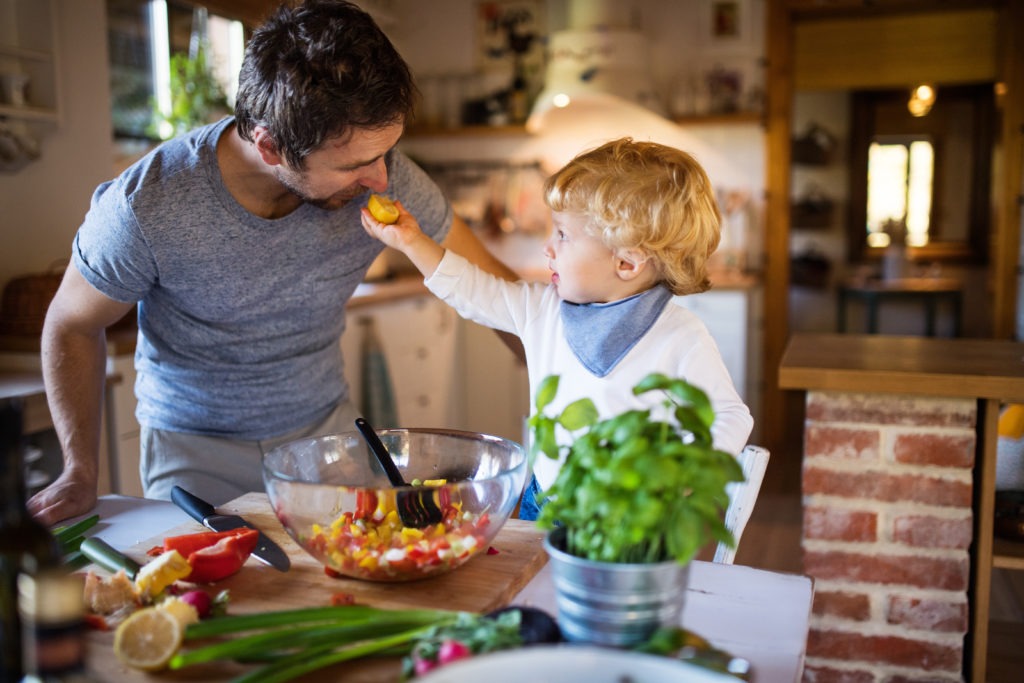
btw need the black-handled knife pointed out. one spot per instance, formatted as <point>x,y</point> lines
<point>204,513</point>
<point>106,556</point>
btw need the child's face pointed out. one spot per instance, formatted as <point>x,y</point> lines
<point>584,269</point>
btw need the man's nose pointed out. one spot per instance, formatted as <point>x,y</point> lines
<point>376,176</point>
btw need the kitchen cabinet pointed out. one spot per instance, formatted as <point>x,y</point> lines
<point>445,371</point>
<point>417,337</point>
<point>493,383</point>
<point>123,428</point>
<point>28,50</point>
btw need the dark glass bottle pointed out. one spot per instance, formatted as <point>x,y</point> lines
<point>26,546</point>
<point>52,612</point>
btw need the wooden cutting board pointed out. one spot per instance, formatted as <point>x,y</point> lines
<point>484,583</point>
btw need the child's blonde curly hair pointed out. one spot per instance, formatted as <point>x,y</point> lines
<point>647,197</point>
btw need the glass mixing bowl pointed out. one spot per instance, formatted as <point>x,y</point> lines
<point>334,499</point>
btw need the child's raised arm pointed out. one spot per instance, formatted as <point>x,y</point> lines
<point>406,236</point>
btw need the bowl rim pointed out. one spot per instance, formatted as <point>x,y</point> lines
<point>521,451</point>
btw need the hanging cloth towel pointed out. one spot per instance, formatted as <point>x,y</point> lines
<point>378,402</point>
<point>600,335</point>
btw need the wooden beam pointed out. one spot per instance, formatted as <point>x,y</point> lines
<point>1009,185</point>
<point>778,125</point>
<point>896,51</point>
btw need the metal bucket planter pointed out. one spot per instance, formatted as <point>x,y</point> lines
<point>613,604</point>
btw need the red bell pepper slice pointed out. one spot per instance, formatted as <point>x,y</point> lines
<point>190,543</point>
<point>224,558</point>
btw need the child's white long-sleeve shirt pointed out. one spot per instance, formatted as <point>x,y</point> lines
<point>677,344</point>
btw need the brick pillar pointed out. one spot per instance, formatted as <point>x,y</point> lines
<point>886,530</point>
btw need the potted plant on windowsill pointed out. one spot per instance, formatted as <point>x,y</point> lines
<point>637,496</point>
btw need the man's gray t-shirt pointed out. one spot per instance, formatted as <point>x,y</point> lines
<point>239,316</point>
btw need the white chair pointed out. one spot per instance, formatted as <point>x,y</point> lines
<point>742,497</point>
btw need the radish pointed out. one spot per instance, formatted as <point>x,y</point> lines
<point>453,650</point>
<point>200,600</point>
<point>424,666</point>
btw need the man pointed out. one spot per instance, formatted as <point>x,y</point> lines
<point>241,244</point>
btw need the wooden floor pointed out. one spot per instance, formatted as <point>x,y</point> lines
<point>772,541</point>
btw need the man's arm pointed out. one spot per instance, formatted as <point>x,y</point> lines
<point>74,357</point>
<point>463,242</point>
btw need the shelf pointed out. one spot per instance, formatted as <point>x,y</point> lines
<point>1007,554</point>
<point>736,118</point>
<point>464,131</point>
<point>25,54</point>
<point>28,113</point>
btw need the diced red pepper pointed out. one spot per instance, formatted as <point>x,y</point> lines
<point>340,599</point>
<point>187,544</point>
<point>223,558</point>
<point>366,504</point>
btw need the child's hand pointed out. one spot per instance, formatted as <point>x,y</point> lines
<point>406,236</point>
<point>397,235</point>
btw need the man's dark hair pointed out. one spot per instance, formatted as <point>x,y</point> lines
<point>316,70</point>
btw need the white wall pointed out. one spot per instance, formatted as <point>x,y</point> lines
<point>43,203</point>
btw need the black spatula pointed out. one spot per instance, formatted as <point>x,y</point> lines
<point>416,508</point>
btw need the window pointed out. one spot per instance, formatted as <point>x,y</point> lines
<point>899,192</point>
<point>144,36</point>
<point>921,181</point>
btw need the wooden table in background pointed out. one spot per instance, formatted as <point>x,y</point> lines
<point>928,291</point>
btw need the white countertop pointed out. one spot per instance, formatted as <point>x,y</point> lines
<point>758,615</point>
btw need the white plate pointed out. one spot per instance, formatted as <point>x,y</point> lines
<point>564,663</point>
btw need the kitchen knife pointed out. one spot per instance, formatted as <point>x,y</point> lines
<point>106,556</point>
<point>201,511</point>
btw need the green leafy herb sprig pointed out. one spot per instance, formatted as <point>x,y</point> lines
<point>635,489</point>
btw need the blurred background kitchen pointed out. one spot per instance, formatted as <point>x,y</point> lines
<point>792,99</point>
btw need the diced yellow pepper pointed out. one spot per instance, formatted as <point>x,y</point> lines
<point>161,572</point>
<point>410,535</point>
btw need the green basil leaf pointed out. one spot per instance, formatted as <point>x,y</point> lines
<point>546,392</point>
<point>578,414</point>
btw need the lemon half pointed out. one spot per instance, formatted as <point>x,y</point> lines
<point>148,639</point>
<point>382,208</point>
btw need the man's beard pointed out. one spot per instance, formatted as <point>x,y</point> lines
<point>332,203</point>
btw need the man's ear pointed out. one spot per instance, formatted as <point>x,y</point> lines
<point>266,146</point>
<point>631,263</point>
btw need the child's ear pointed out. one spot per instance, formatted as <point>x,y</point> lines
<point>631,263</point>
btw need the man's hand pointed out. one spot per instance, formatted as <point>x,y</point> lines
<point>66,497</point>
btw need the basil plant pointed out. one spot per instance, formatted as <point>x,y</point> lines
<point>633,489</point>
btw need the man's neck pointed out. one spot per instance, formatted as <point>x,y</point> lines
<point>250,180</point>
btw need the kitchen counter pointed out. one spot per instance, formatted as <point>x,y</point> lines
<point>758,615</point>
<point>983,368</point>
<point>901,432</point>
